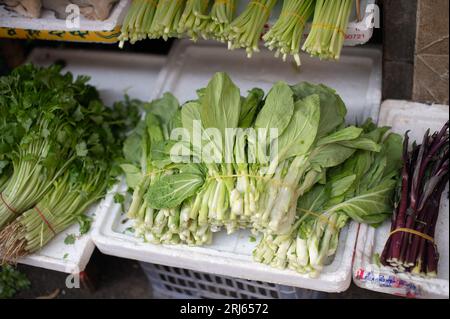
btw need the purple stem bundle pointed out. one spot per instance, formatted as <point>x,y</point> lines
<point>424,177</point>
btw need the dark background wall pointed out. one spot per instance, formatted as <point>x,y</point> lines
<point>416,50</point>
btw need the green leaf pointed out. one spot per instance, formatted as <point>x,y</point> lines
<point>330,155</point>
<point>85,223</point>
<point>362,143</point>
<point>81,149</point>
<point>346,134</point>
<point>171,190</point>
<point>132,149</point>
<point>70,239</point>
<point>164,108</point>
<point>392,148</point>
<point>301,132</point>
<point>342,185</point>
<point>332,108</point>
<point>221,104</point>
<point>372,206</point>
<point>132,173</point>
<point>190,112</point>
<point>119,198</point>
<point>250,107</point>
<point>277,110</point>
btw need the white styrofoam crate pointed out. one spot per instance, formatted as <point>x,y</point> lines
<point>114,74</point>
<point>357,77</point>
<point>48,20</point>
<point>403,116</point>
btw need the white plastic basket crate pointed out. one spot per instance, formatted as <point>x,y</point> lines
<point>179,283</point>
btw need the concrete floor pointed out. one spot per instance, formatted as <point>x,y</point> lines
<point>117,278</point>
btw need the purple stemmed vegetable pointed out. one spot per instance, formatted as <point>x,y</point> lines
<point>411,246</point>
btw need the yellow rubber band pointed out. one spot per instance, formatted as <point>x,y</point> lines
<point>320,216</point>
<point>294,14</point>
<point>261,5</point>
<point>266,178</point>
<point>414,232</point>
<point>329,27</point>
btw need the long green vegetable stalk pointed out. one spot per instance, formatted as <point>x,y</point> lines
<point>327,35</point>
<point>47,106</point>
<point>361,189</point>
<point>285,36</point>
<point>59,209</point>
<point>167,19</point>
<point>138,21</point>
<point>195,19</point>
<point>245,31</point>
<point>160,216</point>
<point>222,14</point>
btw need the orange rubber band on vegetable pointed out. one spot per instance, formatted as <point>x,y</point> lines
<point>44,219</point>
<point>414,232</point>
<point>6,204</point>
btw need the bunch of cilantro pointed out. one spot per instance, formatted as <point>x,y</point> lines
<point>60,150</point>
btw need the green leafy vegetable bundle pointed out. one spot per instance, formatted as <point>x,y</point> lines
<point>195,19</point>
<point>158,183</point>
<point>287,32</point>
<point>328,30</point>
<point>245,31</point>
<point>360,189</point>
<point>64,159</point>
<point>282,164</point>
<point>138,21</point>
<point>222,13</point>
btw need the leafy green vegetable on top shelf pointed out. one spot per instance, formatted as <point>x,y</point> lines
<point>64,160</point>
<point>320,174</point>
<point>11,282</point>
<point>328,30</point>
<point>222,13</point>
<point>287,32</point>
<point>245,31</point>
<point>219,20</point>
<point>194,19</point>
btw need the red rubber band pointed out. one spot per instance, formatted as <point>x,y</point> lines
<point>6,204</point>
<point>45,220</point>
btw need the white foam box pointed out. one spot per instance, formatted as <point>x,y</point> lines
<point>114,74</point>
<point>403,116</point>
<point>48,20</point>
<point>357,77</point>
